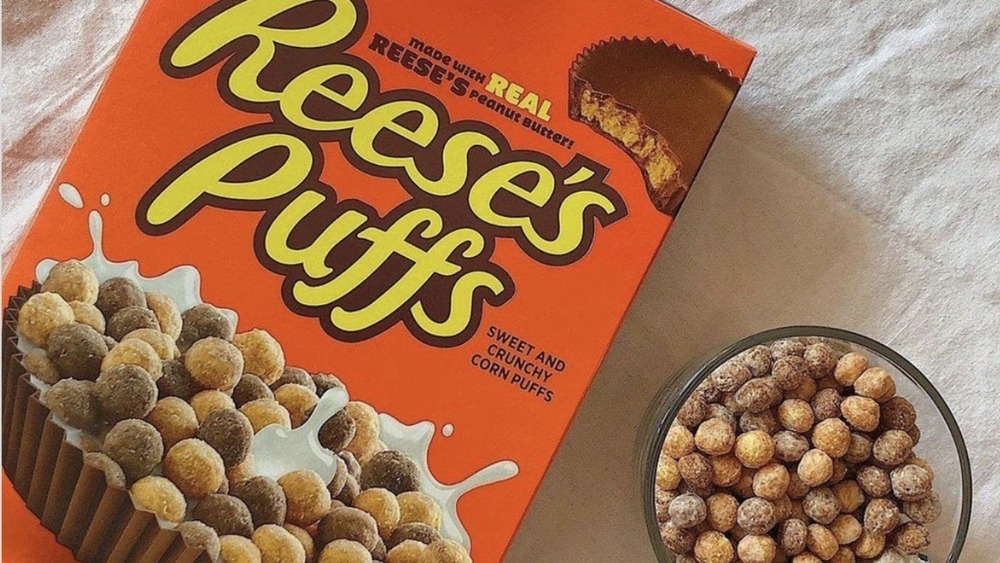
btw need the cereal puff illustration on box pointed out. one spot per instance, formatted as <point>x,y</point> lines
<point>300,289</point>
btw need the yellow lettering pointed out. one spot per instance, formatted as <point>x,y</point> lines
<point>514,93</point>
<point>543,112</point>
<point>249,19</point>
<point>384,270</point>
<point>497,85</point>
<point>571,210</point>
<point>462,298</point>
<point>312,257</point>
<point>501,179</point>
<point>571,223</point>
<point>529,103</point>
<point>391,241</point>
<point>385,118</point>
<point>426,265</point>
<point>294,97</point>
<point>207,177</point>
<point>455,163</point>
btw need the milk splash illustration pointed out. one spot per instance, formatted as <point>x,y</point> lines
<point>415,441</point>
<point>182,284</point>
<point>276,450</point>
<point>71,195</point>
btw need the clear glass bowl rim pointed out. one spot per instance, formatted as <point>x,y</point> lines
<point>694,373</point>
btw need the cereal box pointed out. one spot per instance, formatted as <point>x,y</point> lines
<point>327,279</point>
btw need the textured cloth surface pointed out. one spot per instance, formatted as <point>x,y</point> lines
<point>855,185</point>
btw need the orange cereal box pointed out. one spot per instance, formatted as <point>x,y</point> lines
<point>328,279</point>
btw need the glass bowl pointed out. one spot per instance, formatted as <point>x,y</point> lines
<point>941,442</point>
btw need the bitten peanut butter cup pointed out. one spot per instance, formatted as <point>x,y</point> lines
<point>660,103</point>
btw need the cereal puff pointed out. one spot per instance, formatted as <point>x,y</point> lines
<point>176,381</point>
<point>337,432</point>
<point>262,354</point>
<point>210,401</point>
<point>407,552</point>
<point>367,428</point>
<point>265,412</point>
<point>134,352</point>
<point>166,311</point>
<point>214,363</point>
<point>713,547</point>
<point>419,507</point>
<point>308,545</point>
<point>163,344</point>
<point>447,551</point>
<point>195,468</point>
<point>174,419</point>
<point>293,374</point>
<point>412,532</point>
<point>264,498</point>
<point>130,319</point>
<point>250,388</point>
<point>136,446</point>
<point>225,514</point>
<point>77,350</point>
<point>114,476</point>
<point>229,432</point>
<point>757,549</point>
<point>39,365</point>
<point>125,391</point>
<point>687,510</point>
<point>74,401</point>
<point>306,496</point>
<point>88,314</point>
<point>118,293</point>
<point>40,315</point>
<point>298,400</point>
<point>391,470</point>
<point>73,281</point>
<point>754,449</point>
<point>345,551</point>
<point>326,381</point>
<point>203,321</point>
<point>197,535</point>
<point>161,497</point>
<point>382,505</point>
<point>348,523</point>
<point>238,549</point>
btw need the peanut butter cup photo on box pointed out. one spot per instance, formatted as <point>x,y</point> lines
<point>360,281</point>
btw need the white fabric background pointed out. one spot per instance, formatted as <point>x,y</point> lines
<point>856,184</point>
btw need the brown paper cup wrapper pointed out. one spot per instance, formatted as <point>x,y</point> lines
<point>95,520</point>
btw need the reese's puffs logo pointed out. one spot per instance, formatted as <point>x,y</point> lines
<point>428,263</point>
